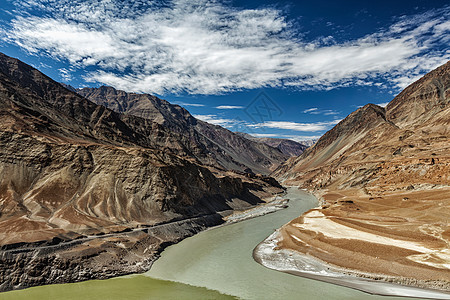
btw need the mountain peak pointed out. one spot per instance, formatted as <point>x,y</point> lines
<point>350,129</point>
<point>419,114</point>
<point>421,100</point>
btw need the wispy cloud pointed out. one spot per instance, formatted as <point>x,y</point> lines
<point>309,110</point>
<point>208,47</point>
<point>297,138</point>
<point>229,107</point>
<point>216,120</point>
<point>65,74</point>
<point>326,112</point>
<point>316,111</point>
<point>188,104</point>
<point>330,112</point>
<point>305,127</point>
<point>238,124</point>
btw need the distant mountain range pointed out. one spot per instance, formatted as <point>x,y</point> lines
<point>187,136</point>
<point>286,146</point>
<point>177,119</point>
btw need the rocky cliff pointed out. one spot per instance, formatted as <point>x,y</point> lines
<point>78,182</point>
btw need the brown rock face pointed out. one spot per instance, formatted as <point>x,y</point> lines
<point>71,170</point>
<point>382,173</point>
<point>209,144</point>
<point>373,135</point>
<point>420,102</point>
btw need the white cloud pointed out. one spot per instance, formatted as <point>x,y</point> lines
<point>310,110</point>
<point>403,81</point>
<point>216,120</point>
<point>238,124</point>
<point>305,127</point>
<point>317,111</point>
<point>229,107</point>
<point>268,135</point>
<point>65,74</point>
<point>188,104</point>
<point>326,112</point>
<point>329,112</point>
<point>297,138</point>
<point>207,47</point>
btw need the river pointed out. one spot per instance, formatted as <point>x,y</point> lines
<point>214,264</point>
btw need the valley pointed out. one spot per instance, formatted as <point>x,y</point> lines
<point>96,182</point>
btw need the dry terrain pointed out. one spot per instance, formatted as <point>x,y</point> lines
<point>383,179</point>
<point>86,192</point>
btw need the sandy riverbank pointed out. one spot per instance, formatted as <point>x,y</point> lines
<point>268,254</point>
<point>257,211</point>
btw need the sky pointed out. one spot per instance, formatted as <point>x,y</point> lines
<point>289,69</point>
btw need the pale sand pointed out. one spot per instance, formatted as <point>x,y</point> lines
<point>257,211</point>
<point>317,221</point>
<point>295,263</point>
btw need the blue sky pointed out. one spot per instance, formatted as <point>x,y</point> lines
<point>270,68</point>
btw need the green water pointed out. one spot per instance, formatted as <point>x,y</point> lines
<point>136,287</point>
<point>221,259</point>
<point>210,265</point>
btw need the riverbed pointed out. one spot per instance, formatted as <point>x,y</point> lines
<point>214,264</point>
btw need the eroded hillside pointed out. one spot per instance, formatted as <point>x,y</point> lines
<point>383,177</point>
<point>85,192</point>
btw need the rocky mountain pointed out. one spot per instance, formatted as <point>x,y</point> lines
<point>308,143</point>
<point>383,178</point>
<point>414,121</point>
<point>209,144</point>
<point>86,192</point>
<point>286,146</point>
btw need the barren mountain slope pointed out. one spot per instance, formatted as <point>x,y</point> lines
<point>74,175</point>
<point>286,146</point>
<point>383,177</point>
<point>208,143</point>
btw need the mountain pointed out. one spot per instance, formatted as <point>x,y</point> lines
<point>69,87</point>
<point>382,175</point>
<point>412,124</point>
<point>288,147</point>
<point>86,192</point>
<point>308,143</point>
<point>209,144</point>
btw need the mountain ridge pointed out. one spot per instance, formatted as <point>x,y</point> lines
<point>208,143</point>
<point>382,179</point>
<point>286,146</point>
